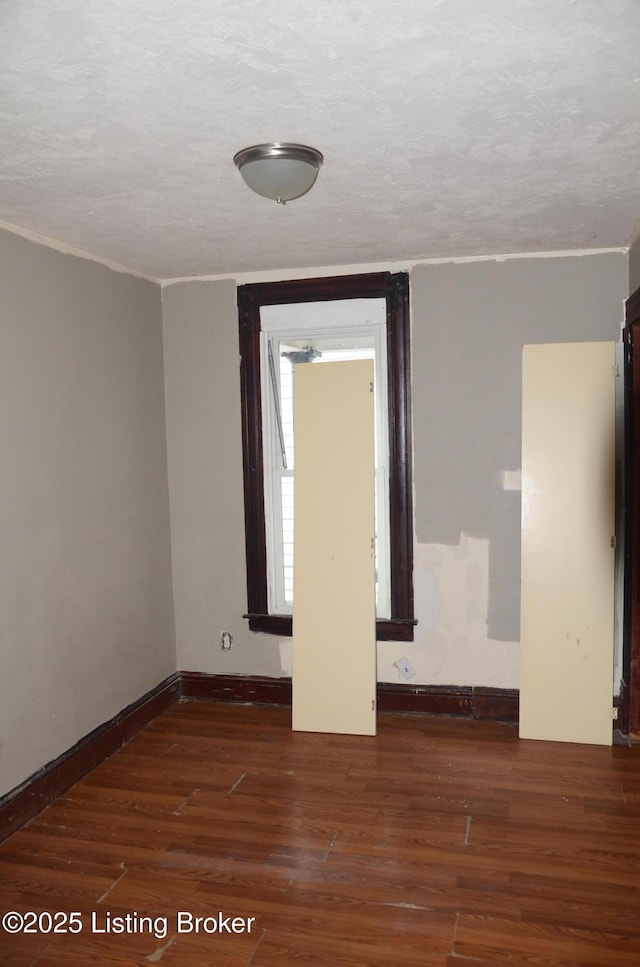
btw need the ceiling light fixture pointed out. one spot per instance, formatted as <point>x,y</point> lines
<point>280,171</point>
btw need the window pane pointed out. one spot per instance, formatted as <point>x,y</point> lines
<point>286,497</point>
<point>286,403</point>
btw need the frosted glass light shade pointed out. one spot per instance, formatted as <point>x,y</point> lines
<point>279,171</point>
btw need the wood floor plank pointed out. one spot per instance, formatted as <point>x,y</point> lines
<point>279,948</point>
<point>426,886</point>
<point>505,941</point>
<point>438,843</point>
<point>144,949</point>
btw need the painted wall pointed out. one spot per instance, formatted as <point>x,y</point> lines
<point>86,613</point>
<point>634,264</point>
<point>469,323</point>
<point>202,380</point>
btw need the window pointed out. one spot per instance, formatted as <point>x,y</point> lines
<point>289,323</point>
<point>324,332</point>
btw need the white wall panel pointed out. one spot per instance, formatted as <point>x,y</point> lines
<point>567,599</point>
<point>334,651</point>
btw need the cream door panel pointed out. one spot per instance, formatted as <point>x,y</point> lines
<point>567,602</point>
<point>334,647</point>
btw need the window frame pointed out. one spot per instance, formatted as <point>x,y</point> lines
<point>394,288</point>
<point>274,336</point>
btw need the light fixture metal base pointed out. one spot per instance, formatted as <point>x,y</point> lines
<point>279,170</point>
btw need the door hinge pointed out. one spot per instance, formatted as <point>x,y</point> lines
<point>613,541</point>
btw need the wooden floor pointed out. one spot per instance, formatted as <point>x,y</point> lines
<point>439,843</point>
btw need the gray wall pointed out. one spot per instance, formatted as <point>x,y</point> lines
<point>86,612</point>
<point>86,616</point>
<point>470,322</point>
<point>202,367</point>
<point>634,266</point>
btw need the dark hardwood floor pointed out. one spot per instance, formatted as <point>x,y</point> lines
<point>439,843</point>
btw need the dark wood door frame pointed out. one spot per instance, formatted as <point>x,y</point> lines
<point>630,718</point>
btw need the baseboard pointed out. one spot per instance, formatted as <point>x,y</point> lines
<point>425,699</point>
<point>484,704</point>
<point>24,802</point>
<point>252,689</point>
<point>496,704</point>
<point>489,704</point>
<point>621,703</point>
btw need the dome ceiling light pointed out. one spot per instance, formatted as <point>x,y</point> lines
<point>279,170</point>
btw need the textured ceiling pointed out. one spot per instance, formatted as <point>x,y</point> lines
<point>449,127</point>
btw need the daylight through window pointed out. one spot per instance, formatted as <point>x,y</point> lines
<point>283,351</point>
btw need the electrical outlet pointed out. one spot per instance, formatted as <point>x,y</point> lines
<point>405,668</point>
<point>226,640</point>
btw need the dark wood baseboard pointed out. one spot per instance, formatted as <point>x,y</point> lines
<point>496,704</point>
<point>489,704</point>
<point>424,699</point>
<point>252,689</point>
<point>621,703</point>
<point>24,802</point>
